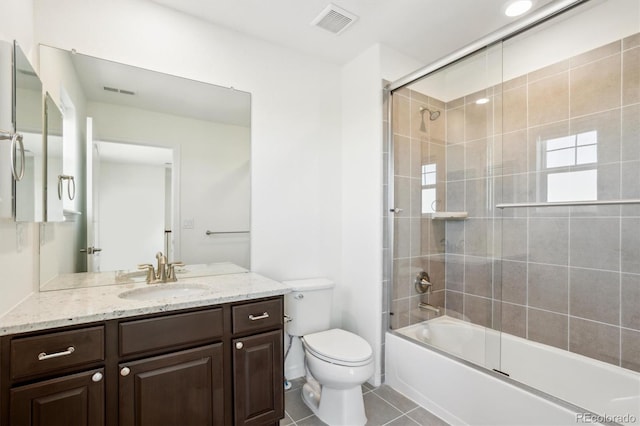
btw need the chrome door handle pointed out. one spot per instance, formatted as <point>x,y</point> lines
<point>90,250</point>
<point>42,356</point>
<point>259,317</point>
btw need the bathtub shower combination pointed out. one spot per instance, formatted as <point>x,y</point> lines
<point>513,279</point>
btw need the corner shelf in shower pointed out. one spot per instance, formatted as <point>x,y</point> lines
<point>449,215</point>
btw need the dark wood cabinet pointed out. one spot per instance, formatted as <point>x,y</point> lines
<point>258,378</point>
<point>76,399</point>
<point>181,388</point>
<point>209,366</point>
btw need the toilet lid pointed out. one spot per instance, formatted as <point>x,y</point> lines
<point>339,345</point>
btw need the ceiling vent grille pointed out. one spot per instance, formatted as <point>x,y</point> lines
<point>115,90</point>
<point>334,19</point>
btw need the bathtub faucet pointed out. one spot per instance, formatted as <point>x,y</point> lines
<point>423,283</point>
<point>428,307</point>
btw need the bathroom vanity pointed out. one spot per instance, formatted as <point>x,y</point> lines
<point>92,356</point>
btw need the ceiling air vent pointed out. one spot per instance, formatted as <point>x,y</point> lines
<point>115,90</point>
<point>334,19</point>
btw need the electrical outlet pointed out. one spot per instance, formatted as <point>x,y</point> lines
<point>188,223</point>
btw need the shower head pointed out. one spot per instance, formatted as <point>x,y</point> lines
<point>433,114</point>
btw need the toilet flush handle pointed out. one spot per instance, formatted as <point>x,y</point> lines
<point>299,296</point>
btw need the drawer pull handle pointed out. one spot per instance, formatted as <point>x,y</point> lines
<point>239,345</point>
<point>42,356</point>
<point>125,371</point>
<point>259,317</point>
<point>96,377</point>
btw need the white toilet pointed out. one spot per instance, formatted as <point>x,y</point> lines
<point>338,362</point>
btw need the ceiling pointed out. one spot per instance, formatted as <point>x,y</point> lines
<point>422,29</point>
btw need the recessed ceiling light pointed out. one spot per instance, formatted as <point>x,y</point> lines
<point>517,7</point>
<point>482,101</point>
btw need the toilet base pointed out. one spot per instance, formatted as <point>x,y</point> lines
<point>336,407</point>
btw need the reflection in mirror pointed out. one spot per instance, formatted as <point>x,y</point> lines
<point>123,117</point>
<point>29,201</point>
<point>132,194</point>
<point>57,188</point>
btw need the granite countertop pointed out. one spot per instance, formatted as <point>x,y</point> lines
<point>59,308</point>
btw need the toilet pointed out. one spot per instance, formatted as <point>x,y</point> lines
<point>338,362</point>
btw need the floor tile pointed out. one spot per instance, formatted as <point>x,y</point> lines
<point>367,387</point>
<point>383,406</point>
<point>286,421</point>
<point>403,421</point>
<point>311,421</point>
<point>395,398</point>
<point>425,418</point>
<point>296,384</point>
<point>378,410</point>
<point>294,406</point>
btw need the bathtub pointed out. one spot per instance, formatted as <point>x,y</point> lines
<point>560,387</point>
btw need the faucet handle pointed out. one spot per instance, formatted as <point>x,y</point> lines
<point>151,273</point>
<point>171,274</point>
<point>423,283</point>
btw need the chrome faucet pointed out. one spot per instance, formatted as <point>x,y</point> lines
<point>423,283</point>
<point>428,307</point>
<point>165,271</point>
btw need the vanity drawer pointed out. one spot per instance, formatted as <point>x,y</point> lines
<point>257,315</point>
<point>31,356</point>
<point>170,331</point>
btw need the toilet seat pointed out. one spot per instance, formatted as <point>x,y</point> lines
<point>339,347</point>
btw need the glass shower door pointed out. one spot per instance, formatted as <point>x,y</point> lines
<point>446,130</point>
<point>570,194</point>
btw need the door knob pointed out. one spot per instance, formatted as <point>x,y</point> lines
<point>239,345</point>
<point>125,371</point>
<point>96,377</point>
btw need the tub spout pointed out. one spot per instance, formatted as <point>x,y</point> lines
<point>428,307</point>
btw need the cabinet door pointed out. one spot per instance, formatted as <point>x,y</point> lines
<point>258,375</point>
<point>76,399</point>
<point>180,388</point>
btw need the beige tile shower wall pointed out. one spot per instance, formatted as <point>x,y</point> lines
<point>419,241</point>
<point>569,277</point>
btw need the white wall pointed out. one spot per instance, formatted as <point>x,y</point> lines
<point>359,294</point>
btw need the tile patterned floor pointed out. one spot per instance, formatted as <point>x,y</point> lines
<point>383,405</point>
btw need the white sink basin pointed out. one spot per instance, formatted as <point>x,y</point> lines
<point>164,291</point>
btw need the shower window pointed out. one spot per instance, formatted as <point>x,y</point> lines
<point>570,151</point>
<point>429,188</point>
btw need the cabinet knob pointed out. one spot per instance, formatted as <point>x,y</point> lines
<point>96,377</point>
<point>125,371</point>
<point>239,345</point>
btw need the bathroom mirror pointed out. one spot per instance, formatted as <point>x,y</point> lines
<point>57,187</point>
<point>29,190</point>
<point>159,162</point>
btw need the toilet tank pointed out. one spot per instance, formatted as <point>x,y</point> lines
<point>308,306</point>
